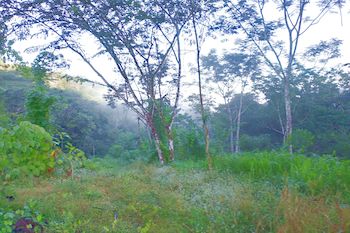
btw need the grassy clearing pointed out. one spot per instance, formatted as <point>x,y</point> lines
<point>183,197</point>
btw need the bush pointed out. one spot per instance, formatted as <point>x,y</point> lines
<point>25,149</point>
<point>302,140</point>
<point>189,142</point>
<point>131,151</point>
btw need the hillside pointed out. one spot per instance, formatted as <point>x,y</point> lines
<point>93,126</point>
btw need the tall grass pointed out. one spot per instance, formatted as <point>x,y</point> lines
<point>184,197</point>
<point>314,175</point>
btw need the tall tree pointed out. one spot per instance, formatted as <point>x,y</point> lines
<point>141,38</point>
<point>231,72</point>
<point>200,10</point>
<point>265,35</point>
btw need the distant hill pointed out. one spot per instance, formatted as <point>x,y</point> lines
<point>93,126</point>
<point>13,80</point>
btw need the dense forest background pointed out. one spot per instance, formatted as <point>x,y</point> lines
<point>272,90</point>
<point>320,107</point>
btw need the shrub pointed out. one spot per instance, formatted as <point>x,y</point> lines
<point>26,148</point>
<point>302,140</point>
<point>189,143</point>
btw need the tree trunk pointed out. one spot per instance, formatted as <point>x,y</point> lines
<point>204,118</point>
<point>287,99</point>
<point>232,143</point>
<point>170,143</point>
<point>237,149</point>
<point>158,148</point>
<point>230,116</point>
<point>209,159</point>
<point>281,124</point>
<point>156,139</point>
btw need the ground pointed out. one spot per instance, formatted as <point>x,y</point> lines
<point>182,197</point>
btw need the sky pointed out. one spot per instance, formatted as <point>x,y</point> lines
<point>331,26</point>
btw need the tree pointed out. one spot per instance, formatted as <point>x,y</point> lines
<point>200,13</point>
<point>141,38</point>
<point>321,106</point>
<point>229,71</point>
<point>265,35</point>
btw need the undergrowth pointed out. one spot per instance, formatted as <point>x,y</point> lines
<point>246,193</point>
<point>312,175</point>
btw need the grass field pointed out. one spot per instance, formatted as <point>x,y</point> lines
<point>182,197</point>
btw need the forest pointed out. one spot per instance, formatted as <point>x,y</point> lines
<point>174,116</point>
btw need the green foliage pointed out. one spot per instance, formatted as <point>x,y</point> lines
<point>161,119</point>
<point>67,223</point>
<point>4,118</point>
<point>132,150</point>
<point>38,105</point>
<point>69,157</point>
<point>255,143</point>
<point>336,143</point>
<point>302,140</point>
<point>116,151</point>
<point>129,147</point>
<point>313,175</point>
<point>189,143</point>
<point>25,149</point>
<point>93,127</point>
<point>183,197</point>
<point>9,217</point>
<point>72,155</point>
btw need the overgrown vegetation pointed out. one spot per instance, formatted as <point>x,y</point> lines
<point>25,150</point>
<point>91,127</point>
<point>48,183</point>
<point>262,147</point>
<point>310,175</point>
<point>108,197</point>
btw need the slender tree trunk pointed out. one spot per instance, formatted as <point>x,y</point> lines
<point>230,116</point>
<point>237,148</point>
<point>158,148</point>
<point>232,137</point>
<point>287,99</point>
<point>204,118</point>
<point>171,149</point>
<point>281,124</point>
<point>170,143</point>
<point>156,139</point>
<point>209,159</point>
